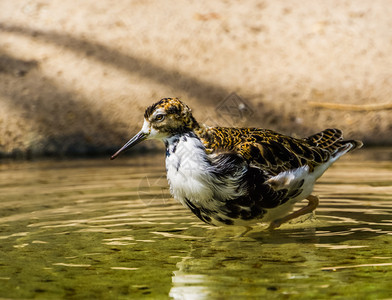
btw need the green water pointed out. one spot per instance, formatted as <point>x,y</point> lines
<point>100,229</point>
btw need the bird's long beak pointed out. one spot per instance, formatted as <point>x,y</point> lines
<point>139,137</point>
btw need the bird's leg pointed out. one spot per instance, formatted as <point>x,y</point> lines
<point>247,229</point>
<point>313,203</point>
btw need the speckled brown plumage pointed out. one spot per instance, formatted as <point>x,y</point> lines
<point>271,151</point>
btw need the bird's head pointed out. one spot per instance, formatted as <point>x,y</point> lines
<point>163,119</point>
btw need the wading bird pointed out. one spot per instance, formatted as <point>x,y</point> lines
<point>238,176</point>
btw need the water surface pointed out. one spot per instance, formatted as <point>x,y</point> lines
<point>89,229</point>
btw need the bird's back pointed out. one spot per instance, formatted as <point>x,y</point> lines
<point>274,152</point>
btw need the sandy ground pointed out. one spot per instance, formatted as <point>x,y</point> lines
<point>76,76</point>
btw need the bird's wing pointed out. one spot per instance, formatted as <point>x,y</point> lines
<point>270,151</point>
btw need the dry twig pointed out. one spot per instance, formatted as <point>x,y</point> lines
<point>353,107</point>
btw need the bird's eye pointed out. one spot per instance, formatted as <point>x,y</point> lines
<point>159,117</point>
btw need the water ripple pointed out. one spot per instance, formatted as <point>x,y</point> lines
<point>92,229</point>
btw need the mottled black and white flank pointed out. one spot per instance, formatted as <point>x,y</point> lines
<point>238,176</point>
<point>218,188</point>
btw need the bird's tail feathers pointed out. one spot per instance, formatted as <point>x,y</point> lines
<point>347,146</point>
<point>332,140</point>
